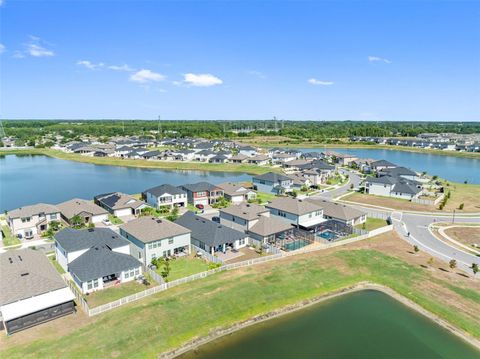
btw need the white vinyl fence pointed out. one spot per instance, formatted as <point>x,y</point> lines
<point>226,267</point>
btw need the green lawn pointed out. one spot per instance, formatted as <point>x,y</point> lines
<point>8,239</point>
<point>56,264</point>
<point>168,319</point>
<point>113,293</point>
<point>265,197</point>
<point>184,267</point>
<point>114,219</point>
<point>372,223</point>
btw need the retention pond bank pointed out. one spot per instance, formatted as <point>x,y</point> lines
<point>362,324</point>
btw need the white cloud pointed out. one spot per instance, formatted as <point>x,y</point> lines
<point>145,75</point>
<point>201,80</point>
<point>36,50</point>
<point>379,59</point>
<point>123,67</point>
<point>89,65</point>
<point>316,82</point>
<point>2,47</point>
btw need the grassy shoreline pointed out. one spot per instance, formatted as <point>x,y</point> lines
<point>164,165</point>
<point>170,319</point>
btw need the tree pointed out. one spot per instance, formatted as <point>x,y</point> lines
<point>294,194</point>
<point>474,268</point>
<point>166,268</point>
<point>416,249</point>
<point>461,206</point>
<point>452,264</point>
<point>430,261</point>
<point>77,221</point>
<point>173,214</point>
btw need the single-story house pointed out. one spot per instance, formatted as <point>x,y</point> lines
<point>279,158</point>
<point>155,238</point>
<point>239,158</point>
<point>31,290</point>
<point>96,258</point>
<point>211,236</point>
<point>300,213</point>
<point>25,222</point>
<point>165,195</point>
<point>341,213</point>
<point>218,159</point>
<point>120,204</point>
<point>248,151</point>
<point>87,210</point>
<point>268,230</point>
<point>237,193</point>
<point>272,182</point>
<point>259,160</point>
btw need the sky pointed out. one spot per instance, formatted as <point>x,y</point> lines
<point>250,60</point>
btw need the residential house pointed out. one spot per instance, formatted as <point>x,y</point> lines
<point>155,238</point>
<point>204,155</point>
<point>259,160</point>
<point>31,290</point>
<point>248,151</point>
<point>96,258</point>
<point>203,193</point>
<point>272,182</point>
<point>393,187</point>
<point>242,216</point>
<point>239,158</point>
<point>165,195</point>
<point>339,212</point>
<point>211,236</point>
<point>25,222</point>
<point>218,159</point>
<point>297,165</point>
<point>280,158</point>
<point>381,165</point>
<point>402,172</point>
<point>88,211</point>
<point>299,181</point>
<point>268,230</point>
<point>301,213</point>
<point>236,193</point>
<point>120,204</point>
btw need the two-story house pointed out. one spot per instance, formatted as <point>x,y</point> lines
<point>165,195</point>
<point>300,213</point>
<point>272,182</point>
<point>203,193</point>
<point>25,222</point>
<point>152,237</point>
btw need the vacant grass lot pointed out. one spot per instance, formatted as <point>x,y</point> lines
<point>372,223</point>
<point>166,320</point>
<point>184,267</point>
<point>465,235</point>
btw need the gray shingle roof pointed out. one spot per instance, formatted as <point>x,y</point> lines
<point>272,177</point>
<point>293,205</point>
<point>100,261</point>
<point>75,239</point>
<point>164,188</point>
<point>209,232</point>
<point>118,200</point>
<point>246,211</point>
<point>26,273</point>
<point>149,229</point>
<point>337,210</point>
<point>266,226</point>
<point>34,209</point>
<point>199,187</point>
<point>75,206</point>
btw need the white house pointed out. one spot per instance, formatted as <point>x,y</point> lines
<point>165,195</point>
<point>120,204</point>
<point>237,193</point>
<point>152,237</point>
<point>25,222</point>
<point>87,210</point>
<point>300,213</point>
<point>96,258</point>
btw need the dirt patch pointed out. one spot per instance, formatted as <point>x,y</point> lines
<point>464,235</point>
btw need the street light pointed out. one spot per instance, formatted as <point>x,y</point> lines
<point>453,221</point>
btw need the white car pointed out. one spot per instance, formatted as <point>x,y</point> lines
<point>107,222</point>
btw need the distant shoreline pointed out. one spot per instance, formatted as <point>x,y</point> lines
<point>221,332</point>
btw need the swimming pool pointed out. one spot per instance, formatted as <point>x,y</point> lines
<point>328,235</point>
<point>297,244</point>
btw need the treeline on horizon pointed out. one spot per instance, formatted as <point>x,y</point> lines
<point>321,131</point>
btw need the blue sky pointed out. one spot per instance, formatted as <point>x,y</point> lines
<point>240,60</point>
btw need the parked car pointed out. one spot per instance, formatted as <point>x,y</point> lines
<point>216,219</point>
<point>200,206</point>
<point>107,222</point>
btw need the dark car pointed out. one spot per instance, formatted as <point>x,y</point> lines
<point>216,219</point>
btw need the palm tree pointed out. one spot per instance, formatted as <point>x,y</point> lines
<point>474,268</point>
<point>452,264</point>
<point>76,221</point>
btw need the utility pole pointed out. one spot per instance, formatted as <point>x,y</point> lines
<point>453,220</point>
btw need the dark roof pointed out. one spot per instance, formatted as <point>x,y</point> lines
<point>398,171</point>
<point>199,186</point>
<point>151,154</point>
<point>205,152</point>
<point>75,239</point>
<point>164,188</point>
<point>209,232</point>
<point>321,165</point>
<point>382,163</point>
<point>100,261</point>
<point>118,200</point>
<point>272,177</point>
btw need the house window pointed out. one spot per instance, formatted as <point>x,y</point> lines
<point>282,214</point>
<point>26,219</point>
<point>127,275</point>
<point>170,241</point>
<point>53,216</point>
<point>95,283</point>
<point>89,285</point>
<point>241,242</point>
<point>137,271</point>
<point>150,246</point>
<point>154,245</point>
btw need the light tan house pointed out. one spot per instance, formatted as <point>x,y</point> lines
<point>87,210</point>
<point>237,193</point>
<point>25,222</point>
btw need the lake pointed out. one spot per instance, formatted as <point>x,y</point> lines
<point>27,180</point>
<point>456,169</point>
<point>367,324</point>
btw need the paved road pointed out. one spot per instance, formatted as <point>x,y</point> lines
<point>417,225</point>
<point>353,179</point>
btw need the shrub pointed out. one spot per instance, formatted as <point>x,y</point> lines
<point>461,206</point>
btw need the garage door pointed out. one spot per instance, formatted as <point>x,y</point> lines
<point>201,201</point>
